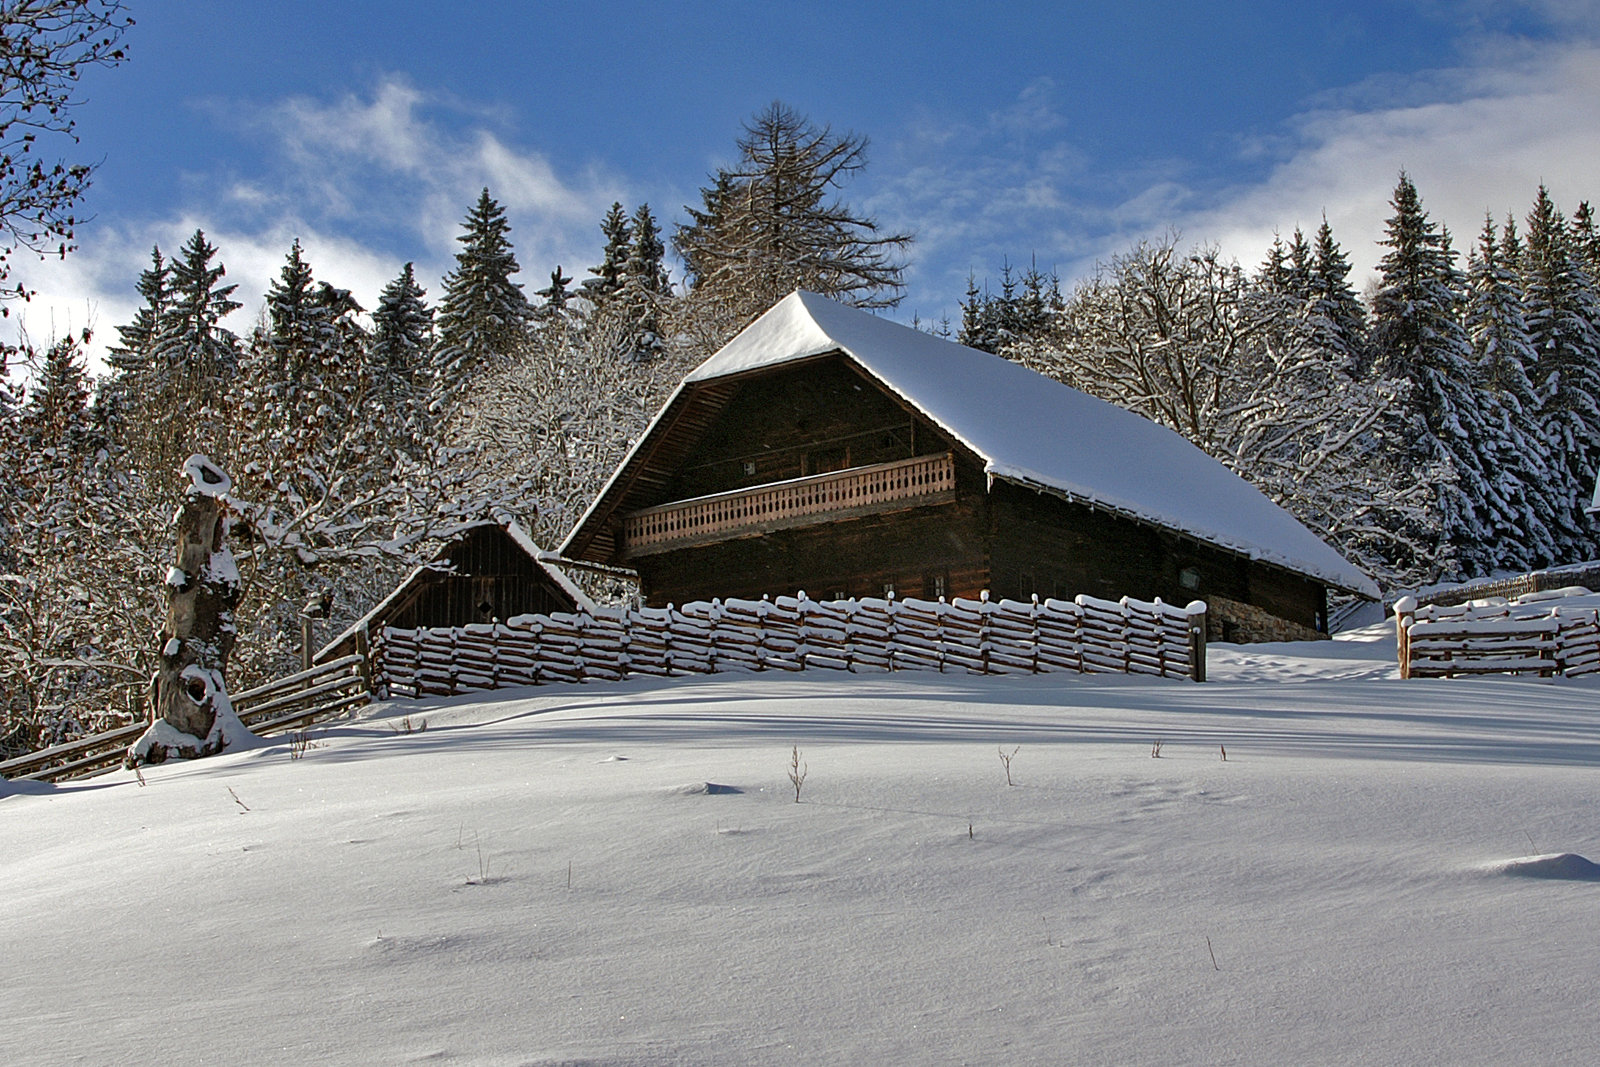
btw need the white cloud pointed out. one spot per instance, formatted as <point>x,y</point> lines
<point>1518,117</point>
<point>364,182</point>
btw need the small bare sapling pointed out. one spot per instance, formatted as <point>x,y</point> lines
<point>1224,753</point>
<point>1155,750</point>
<point>1005,761</point>
<point>301,742</point>
<point>797,772</point>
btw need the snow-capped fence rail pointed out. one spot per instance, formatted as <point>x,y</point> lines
<point>297,700</point>
<point>793,634</point>
<point>1438,641</point>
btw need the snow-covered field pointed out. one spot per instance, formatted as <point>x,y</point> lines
<point>620,874</point>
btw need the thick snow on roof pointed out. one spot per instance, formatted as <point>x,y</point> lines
<point>1033,430</point>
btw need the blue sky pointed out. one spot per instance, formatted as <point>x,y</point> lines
<point>1062,132</point>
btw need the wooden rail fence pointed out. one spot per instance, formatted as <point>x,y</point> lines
<point>1437,641</point>
<point>1085,635</point>
<point>297,700</point>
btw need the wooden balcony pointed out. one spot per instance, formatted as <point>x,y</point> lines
<point>797,502</point>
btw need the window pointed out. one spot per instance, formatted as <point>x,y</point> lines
<point>1189,578</point>
<point>935,586</point>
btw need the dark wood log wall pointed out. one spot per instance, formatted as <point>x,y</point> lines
<point>495,579</point>
<point>1051,546</point>
<point>814,418</point>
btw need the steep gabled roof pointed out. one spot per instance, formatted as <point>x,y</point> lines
<point>1026,428</point>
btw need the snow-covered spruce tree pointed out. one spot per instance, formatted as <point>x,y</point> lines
<point>310,444</point>
<point>397,355</point>
<point>192,362</point>
<point>993,322</point>
<point>1516,454</point>
<point>770,225</point>
<point>1341,321</point>
<point>1586,238</point>
<point>131,359</point>
<point>557,296</point>
<point>192,715</point>
<point>483,315</point>
<point>608,274</point>
<point>646,291</point>
<point>1439,432</point>
<point>1562,310</point>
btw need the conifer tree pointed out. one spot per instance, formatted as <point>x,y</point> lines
<point>1515,451</point>
<point>57,410</point>
<point>1298,270</point>
<point>1563,317</point>
<point>645,287</point>
<point>770,226</point>
<point>1340,318</point>
<point>556,295</point>
<point>132,354</point>
<point>1586,239</point>
<point>1419,342</point>
<point>192,362</point>
<point>608,275</point>
<point>402,333</point>
<point>483,315</point>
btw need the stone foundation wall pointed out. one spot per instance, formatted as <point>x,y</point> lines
<point>1242,624</point>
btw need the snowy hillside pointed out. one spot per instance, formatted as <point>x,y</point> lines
<point>620,874</point>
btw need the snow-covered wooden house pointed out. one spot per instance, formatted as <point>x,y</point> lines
<point>489,571</point>
<point>828,450</point>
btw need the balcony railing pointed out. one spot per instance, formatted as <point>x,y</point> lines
<point>797,502</point>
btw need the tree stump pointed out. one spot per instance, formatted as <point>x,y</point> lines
<point>190,710</point>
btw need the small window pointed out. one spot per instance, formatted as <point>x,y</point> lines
<point>1189,578</point>
<point>888,590</point>
<point>749,466</point>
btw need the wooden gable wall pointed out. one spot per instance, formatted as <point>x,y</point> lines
<point>494,579</point>
<point>812,418</point>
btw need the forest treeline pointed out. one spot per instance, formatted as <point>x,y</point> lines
<point>1445,423</point>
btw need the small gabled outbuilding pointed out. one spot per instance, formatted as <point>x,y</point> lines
<point>828,450</point>
<point>490,571</point>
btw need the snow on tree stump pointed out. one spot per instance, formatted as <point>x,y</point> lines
<point>191,713</point>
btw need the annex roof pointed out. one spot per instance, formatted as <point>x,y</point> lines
<point>1030,430</point>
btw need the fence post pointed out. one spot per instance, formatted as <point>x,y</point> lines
<point>1197,639</point>
<point>365,668</point>
<point>1405,612</point>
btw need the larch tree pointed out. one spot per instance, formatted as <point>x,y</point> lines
<point>772,224</point>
